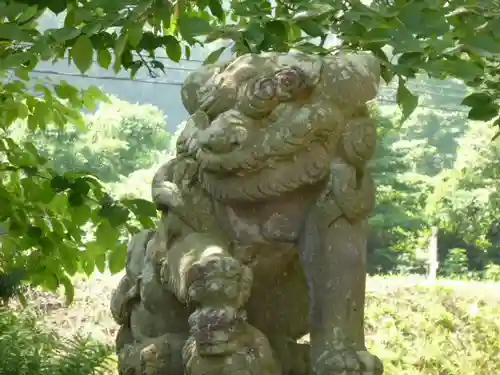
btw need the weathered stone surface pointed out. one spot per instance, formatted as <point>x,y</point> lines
<point>262,236</point>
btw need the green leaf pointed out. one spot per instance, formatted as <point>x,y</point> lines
<point>406,100</point>
<point>92,96</point>
<point>117,258</point>
<point>134,68</point>
<point>82,53</point>
<point>23,73</point>
<point>483,113</point>
<point>58,6</point>
<point>60,183</point>
<point>276,36</point>
<point>120,44</point>
<point>173,47</point>
<point>69,256</point>
<point>87,264</point>
<point>46,192</point>
<point>80,214</point>
<point>141,207</point>
<point>69,289</point>
<point>42,113</point>
<point>191,26</point>
<point>462,69</point>
<point>11,31</point>
<point>34,232</point>
<point>66,91</point>
<point>75,199</point>
<point>80,186</point>
<point>478,99</point>
<point>483,106</point>
<point>255,33</point>
<point>134,34</point>
<point>104,58</point>
<point>106,235</point>
<point>64,34</point>
<point>214,56</point>
<point>98,94</point>
<point>15,59</point>
<point>28,14</point>
<point>116,215</point>
<point>32,190</point>
<point>311,28</point>
<point>22,110</point>
<point>100,262</point>
<point>484,42</point>
<point>315,13</point>
<point>216,9</point>
<point>75,117</point>
<point>50,281</point>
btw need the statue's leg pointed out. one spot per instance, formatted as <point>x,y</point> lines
<point>200,270</point>
<point>334,258</point>
<point>151,334</point>
<point>279,306</point>
<point>152,356</point>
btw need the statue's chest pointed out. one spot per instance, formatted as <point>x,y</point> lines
<point>260,224</point>
<point>264,236</point>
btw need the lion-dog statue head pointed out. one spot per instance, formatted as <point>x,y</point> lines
<point>264,125</point>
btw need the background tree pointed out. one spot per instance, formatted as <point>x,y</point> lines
<point>118,139</point>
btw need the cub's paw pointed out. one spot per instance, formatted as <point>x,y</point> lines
<point>251,355</point>
<point>217,330</point>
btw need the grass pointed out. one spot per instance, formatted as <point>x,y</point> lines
<point>28,348</point>
<point>450,328</point>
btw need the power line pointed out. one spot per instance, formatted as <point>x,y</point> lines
<point>173,83</point>
<point>110,78</point>
<point>417,84</point>
<point>423,87</point>
<point>443,109</point>
<point>114,78</point>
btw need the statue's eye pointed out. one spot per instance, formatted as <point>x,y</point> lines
<point>290,83</point>
<point>259,98</point>
<point>263,89</point>
<point>288,78</point>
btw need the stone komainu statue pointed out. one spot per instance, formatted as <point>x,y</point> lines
<point>262,234</point>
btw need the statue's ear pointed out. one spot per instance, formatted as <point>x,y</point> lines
<point>310,65</point>
<point>351,79</point>
<point>194,81</point>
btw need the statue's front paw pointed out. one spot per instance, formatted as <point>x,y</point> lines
<point>216,329</point>
<point>348,362</point>
<point>342,362</point>
<point>370,363</point>
<point>250,355</point>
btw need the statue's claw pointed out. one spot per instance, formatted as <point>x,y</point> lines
<point>348,362</point>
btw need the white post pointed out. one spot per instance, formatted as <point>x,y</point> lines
<point>433,263</point>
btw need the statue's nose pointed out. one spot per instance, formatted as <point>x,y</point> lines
<point>221,141</point>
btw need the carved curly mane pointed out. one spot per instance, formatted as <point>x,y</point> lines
<point>308,167</point>
<point>280,164</point>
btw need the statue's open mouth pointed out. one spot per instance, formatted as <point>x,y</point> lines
<point>224,148</point>
<point>225,165</point>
